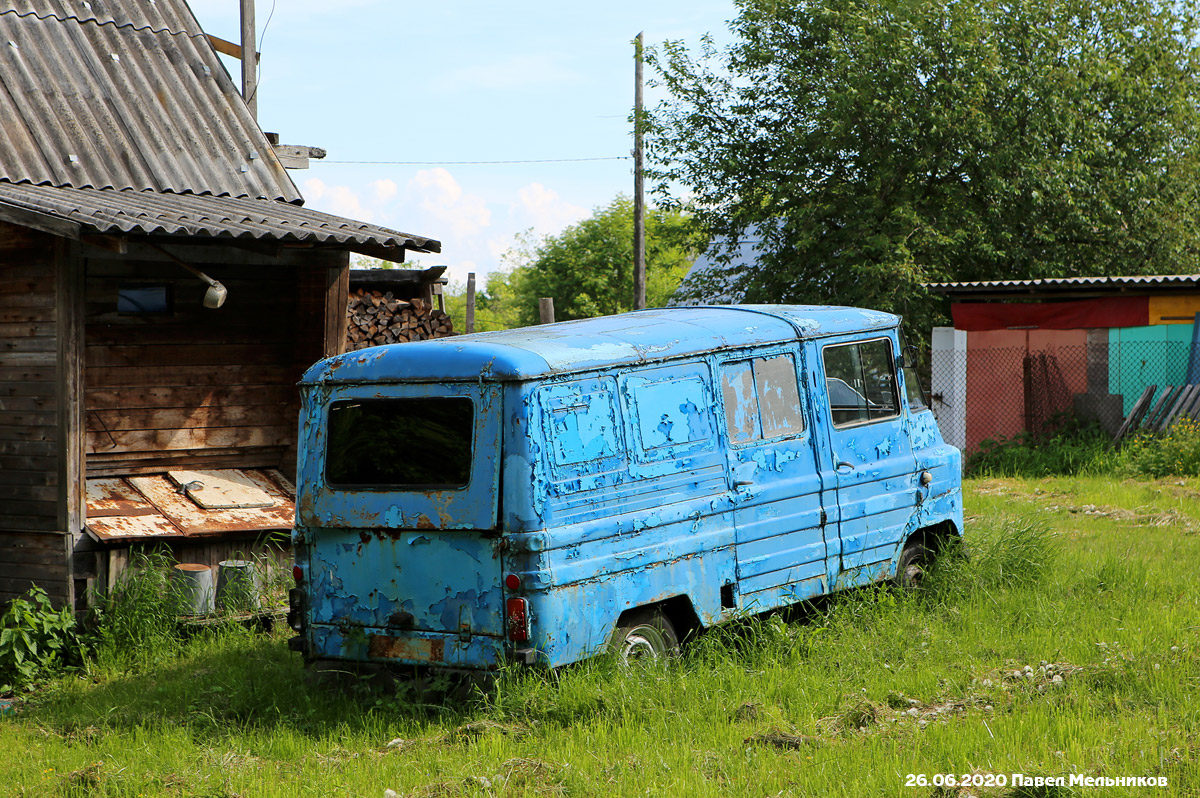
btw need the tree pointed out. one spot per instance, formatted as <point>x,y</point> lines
<point>872,146</point>
<point>495,305</point>
<point>588,268</point>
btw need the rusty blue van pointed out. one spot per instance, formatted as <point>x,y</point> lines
<point>541,495</point>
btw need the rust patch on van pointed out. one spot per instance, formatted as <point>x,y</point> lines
<point>410,648</point>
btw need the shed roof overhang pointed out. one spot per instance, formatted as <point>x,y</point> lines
<point>76,212</point>
<point>1066,287</point>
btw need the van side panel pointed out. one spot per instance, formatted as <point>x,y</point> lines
<point>633,484</point>
<point>941,499</point>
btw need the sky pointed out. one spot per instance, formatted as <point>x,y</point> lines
<point>380,80</point>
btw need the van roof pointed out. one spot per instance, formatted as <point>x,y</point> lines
<point>639,337</point>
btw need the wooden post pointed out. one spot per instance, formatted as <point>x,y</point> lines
<point>470,323</point>
<point>639,205</point>
<point>249,59</point>
<point>546,309</point>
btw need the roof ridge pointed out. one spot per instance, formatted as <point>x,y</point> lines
<point>97,21</point>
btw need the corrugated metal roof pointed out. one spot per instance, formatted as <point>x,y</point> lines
<point>129,97</point>
<point>113,212</point>
<point>152,14</point>
<point>1173,281</point>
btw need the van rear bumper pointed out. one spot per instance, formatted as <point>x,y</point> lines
<point>396,647</point>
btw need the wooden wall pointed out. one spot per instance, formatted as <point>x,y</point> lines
<point>203,387</point>
<point>40,486</point>
<point>86,390</point>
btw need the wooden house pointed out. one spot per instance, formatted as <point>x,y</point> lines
<point>162,288</point>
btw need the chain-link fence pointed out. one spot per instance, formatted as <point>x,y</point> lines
<point>979,392</point>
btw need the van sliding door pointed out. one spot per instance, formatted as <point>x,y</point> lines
<point>776,488</point>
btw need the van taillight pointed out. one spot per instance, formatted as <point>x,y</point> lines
<point>298,574</point>
<point>516,611</point>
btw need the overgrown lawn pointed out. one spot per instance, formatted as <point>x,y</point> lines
<point>1067,641</point>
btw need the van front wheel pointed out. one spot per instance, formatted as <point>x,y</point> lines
<point>645,635</point>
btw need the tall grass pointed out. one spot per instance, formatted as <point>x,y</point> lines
<point>1060,643</point>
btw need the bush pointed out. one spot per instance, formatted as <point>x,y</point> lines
<point>36,641</point>
<point>1073,449</point>
<point>1175,452</point>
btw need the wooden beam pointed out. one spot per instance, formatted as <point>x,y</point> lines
<point>226,47</point>
<point>295,156</point>
<point>117,244</point>
<point>35,220</point>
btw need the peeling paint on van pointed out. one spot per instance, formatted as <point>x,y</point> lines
<point>686,456</point>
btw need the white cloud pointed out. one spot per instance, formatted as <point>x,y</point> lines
<point>384,189</point>
<point>544,210</point>
<point>476,227</point>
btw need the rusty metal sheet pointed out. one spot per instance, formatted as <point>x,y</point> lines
<point>221,489</point>
<point>194,520</point>
<point>408,648</point>
<point>112,496</point>
<point>131,527</point>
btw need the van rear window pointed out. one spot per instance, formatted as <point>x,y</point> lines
<point>405,444</point>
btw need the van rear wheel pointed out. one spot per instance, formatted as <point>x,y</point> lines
<point>910,572</point>
<point>645,634</point>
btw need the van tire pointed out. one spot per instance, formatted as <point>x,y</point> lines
<point>910,571</point>
<point>645,634</point>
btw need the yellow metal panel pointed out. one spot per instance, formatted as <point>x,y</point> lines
<point>1174,308</point>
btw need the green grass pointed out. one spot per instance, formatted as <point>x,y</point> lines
<point>1095,577</point>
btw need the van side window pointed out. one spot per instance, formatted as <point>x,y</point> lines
<point>672,408</point>
<point>762,399</point>
<point>912,383</point>
<point>587,435</point>
<point>861,382</point>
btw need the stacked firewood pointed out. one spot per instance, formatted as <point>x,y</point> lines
<point>377,317</point>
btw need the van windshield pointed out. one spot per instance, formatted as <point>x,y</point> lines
<point>405,444</point>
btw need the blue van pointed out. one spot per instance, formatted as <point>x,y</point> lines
<point>538,495</point>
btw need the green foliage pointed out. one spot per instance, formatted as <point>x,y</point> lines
<point>1175,452</point>
<point>1073,449</point>
<point>875,146</point>
<point>496,305</point>
<point>588,268</point>
<point>1086,449</point>
<point>1033,655</point>
<point>1004,550</point>
<point>36,640</point>
<point>137,619</point>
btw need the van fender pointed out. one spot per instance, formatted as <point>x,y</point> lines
<point>679,610</point>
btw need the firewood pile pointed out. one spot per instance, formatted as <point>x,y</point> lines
<point>377,317</point>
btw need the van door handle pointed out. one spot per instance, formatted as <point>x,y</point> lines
<point>843,465</point>
<point>742,483</point>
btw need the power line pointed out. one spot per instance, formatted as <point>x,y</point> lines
<point>468,163</point>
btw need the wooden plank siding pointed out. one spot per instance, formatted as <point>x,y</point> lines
<point>202,387</point>
<point>35,413</point>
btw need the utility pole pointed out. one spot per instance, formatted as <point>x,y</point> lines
<point>249,59</point>
<point>639,205</point>
<point>470,320</point>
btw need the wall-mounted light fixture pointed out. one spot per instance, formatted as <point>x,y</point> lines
<point>215,296</point>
